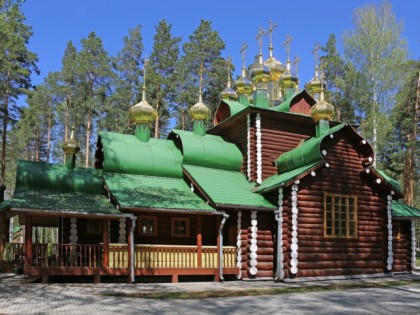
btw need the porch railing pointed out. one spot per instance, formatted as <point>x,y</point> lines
<point>67,255</point>
<point>145,256</point>
<point>168,256</point>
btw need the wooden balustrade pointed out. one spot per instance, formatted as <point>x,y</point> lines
<point>168,256</point>
<point>67,255</point>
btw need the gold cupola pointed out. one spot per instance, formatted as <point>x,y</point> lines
<point>199,112</point>
<point>314,86</point>
<point>289,82</point>
<point>71,148</point>
<point>142,114</point>
<point>276,70</point>
<point>322,112</point>
<point>243,84</point>
<point>228,93</point>
<point>259,76</point>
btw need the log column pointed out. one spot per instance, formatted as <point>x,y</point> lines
<point>3,231</point>
<point>253,270</point>
<point>105,241</point>
<point>294,247</point>
<point>390,259</point>
<point>239,245</point>
<point>199,241</point>
<point>28,241</point>
<point>413,245</point>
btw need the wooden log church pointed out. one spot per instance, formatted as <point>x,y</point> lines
<point>277,189</point>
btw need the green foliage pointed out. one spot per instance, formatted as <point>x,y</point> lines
<point>161,78</point>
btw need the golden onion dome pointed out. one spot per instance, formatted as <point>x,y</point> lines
<point>275,66</point>
<point>314,86</point>
<point>199,111</point>
<point>260,73</point>
<point>322,110</point>
<point>229,94</point>
<point>143,113</point>
<point>70,146</point>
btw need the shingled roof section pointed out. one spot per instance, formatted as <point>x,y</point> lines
<point>153,192</point>
<point>230,189</point>
<point>402,210</point>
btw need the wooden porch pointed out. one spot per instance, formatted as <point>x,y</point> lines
<point>149,260</point>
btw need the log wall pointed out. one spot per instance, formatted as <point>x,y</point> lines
<point>327,256</point>
<point>402,248</point>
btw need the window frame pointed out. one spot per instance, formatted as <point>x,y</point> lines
<point>147,217</point>
<point>349,200</point>
<point>173,227</point>
<point>396,230</point>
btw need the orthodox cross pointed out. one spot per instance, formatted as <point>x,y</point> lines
<point>270,31</point>
<point>259,36</point>
<point>144,79</point>
<point>243,53</point>
<point>228,63</point>
<point>296,63</point>
<point>315,53</point>
<point>287,44</point>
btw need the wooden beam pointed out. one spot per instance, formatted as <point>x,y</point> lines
<point>199,241</point>
<point>28,241</point>
<point>105,241</point>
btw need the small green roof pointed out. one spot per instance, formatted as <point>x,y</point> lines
<point>56,201</point>
<point>279,180</point>
<point>391,181</point>
<point>308,152</point>
<point>39,175</point>
<point>124,153</point>
<point>402,210</point>
<point>208,151</point>
<point>152,192</point>
<point>227,188</point>
<point>234,106</point>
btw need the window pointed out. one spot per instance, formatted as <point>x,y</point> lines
<point>340,216</point>
<point>396,231</point>
<point>148,225</point>
<point>93,227</point>
<point>180,227</point>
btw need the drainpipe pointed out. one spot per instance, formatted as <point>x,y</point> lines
<point>277,275</point>
<point>225,217</point>
<point>133,227</point>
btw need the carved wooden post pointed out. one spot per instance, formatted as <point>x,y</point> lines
<point>106,242</point>
<point>129,253</point>
<point>28,241</point>
<point>199,242</point>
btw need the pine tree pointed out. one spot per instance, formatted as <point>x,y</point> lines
<point>94,75</point>
<point>203,49</point>
<point>126,84</point>
<point>161,78</point>
<point>17,63</point>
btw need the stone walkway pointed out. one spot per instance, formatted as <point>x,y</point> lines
<point>17,297</point>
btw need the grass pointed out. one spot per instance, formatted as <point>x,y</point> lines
<point>255,292</point>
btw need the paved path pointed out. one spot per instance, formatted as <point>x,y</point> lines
<point>18,298</point>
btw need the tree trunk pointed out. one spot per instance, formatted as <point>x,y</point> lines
<point>157,121</point>
<point>49,133</point>
<point>4,137</point>
<point>374,124</point>
<point>88,126</point>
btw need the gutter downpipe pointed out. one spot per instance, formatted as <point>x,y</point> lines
<point>225,217</point>
<point>277,276</point>
<point>133,227</point>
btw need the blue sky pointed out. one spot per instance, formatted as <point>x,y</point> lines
<point>56,22</point>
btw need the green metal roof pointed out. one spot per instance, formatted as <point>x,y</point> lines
<point>209,151</point>
<point>41,175</point>
<point>278,180</point>
<point>50,200</point>
<point>402,210</point>
<point>227,187</point>
<point>308,152</point>
<point>234,106</point>
<point>126,154</point>
<point>160,193</point>
<point>391,181</point>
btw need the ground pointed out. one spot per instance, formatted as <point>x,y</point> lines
<point>18,298</point>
